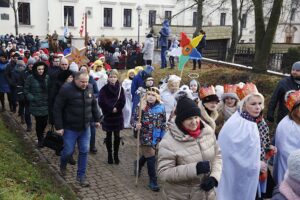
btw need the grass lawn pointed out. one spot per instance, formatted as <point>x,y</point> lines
<point>21,175</point>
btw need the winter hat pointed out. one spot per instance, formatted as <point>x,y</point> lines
<point>294,165</point>
<point>44,57</point>
<point>296,66</point>
<point>63,75</point>
<point>31,61</point>
<point>230,92</point>
<point>100,56</point>
<point>186,108</point>
<point>149,35</point>
<point>74,67</point>
<point>149,69</point>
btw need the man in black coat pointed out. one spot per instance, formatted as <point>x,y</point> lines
<point>286,84</point>
<point>74,108</point>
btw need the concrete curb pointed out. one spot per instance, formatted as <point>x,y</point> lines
<point>12,120</point>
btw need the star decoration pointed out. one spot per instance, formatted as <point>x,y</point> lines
<point>187,49</point>
<point>78,56</point>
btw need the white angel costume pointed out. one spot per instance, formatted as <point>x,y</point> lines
<point>239,141</point>
<point>128,105</point>
<point>287,140</point>
<point>100,77</point>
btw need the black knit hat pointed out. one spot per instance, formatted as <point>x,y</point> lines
<point>186,108</point>
<point>210,98</point>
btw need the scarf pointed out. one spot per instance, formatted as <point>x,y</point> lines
<point>228,111</point>
<point>194,133</point>
<point>290,189</point>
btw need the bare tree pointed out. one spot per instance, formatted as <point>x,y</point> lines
<point>237,26</point>
<point>199,20</point>
<point>264,34</point>
<point>15,7</point>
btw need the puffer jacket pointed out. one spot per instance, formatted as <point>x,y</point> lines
<point>178,155</point>
<point>38,99</point>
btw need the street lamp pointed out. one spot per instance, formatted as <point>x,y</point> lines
<point>139,11</point>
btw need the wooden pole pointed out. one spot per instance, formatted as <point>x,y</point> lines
<point>85,29</point>
<point>138,142</point>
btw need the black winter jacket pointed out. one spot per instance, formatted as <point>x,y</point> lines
<point>284,85</point>
<point>75,108</point>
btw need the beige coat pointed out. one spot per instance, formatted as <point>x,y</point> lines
<point>210,119</point>
<point>178,155</point>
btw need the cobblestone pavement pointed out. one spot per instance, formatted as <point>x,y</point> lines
<point>106,181</point>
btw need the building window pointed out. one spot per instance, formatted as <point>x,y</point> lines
<point>4,3</point>
<point>195,18</point>
<point>244,20</point>
<point>24,13</point>
<point>127,18</point>
<point>152,17</point>
<point>107,17</point>
<point>69,15</point>
<point>223,19</point>
<point>168,15</point>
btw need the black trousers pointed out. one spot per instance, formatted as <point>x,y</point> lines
<point>41,123</point>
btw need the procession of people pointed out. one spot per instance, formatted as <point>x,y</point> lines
<point>195,143</point>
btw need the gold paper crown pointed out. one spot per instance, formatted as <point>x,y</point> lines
<point>247,89</point>
<point>230,88</point>
<point>207,91</point>
<point>292,99</point>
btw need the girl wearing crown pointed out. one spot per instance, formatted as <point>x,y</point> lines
<point>287,135</point>
<point>99,74</point>
<point>152,129</point>
<point>208,105</point>
<point>126,84</point>
<point>244,141</point>
<point>228,105</point>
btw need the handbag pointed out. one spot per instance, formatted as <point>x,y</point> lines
<point>53,140</point>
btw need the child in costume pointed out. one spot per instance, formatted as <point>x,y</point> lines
<point>128,105</point>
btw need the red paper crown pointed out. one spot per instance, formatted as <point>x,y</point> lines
<point>247,89</point>
<point>206,91</point>
<point>230,88</point>
<point>292,99</point>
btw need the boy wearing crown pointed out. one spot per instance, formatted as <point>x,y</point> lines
<point>152,128</point>
<point>287,135</point>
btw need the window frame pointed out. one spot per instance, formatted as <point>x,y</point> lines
<point>107,19</point>
<point>152,18</point>
<point>22,12</point>
<point>72,22</point>
<point>168,16</point>
<point>127,17</point>
<point>223,19</point>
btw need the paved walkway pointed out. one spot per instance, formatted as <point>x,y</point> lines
<point>106,181</point>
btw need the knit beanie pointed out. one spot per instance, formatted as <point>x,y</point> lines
<point>74,67</point>
<point>149,69</point>
<point>294,165</point>
<point>296,66</point>
<point>186,108</point>
<point>31,61</point>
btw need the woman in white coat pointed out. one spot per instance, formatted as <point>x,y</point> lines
<point>148,49</point>
<point>239,141</point>
<point>287,135</point>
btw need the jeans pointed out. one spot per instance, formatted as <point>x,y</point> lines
<point>24,111</point>
<point>83,138</point>
<point>163,57</point>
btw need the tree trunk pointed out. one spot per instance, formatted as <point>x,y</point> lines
<point>199,17</point>
<point>16,16</point>
<point>264,38</point>
<point>234,33</point>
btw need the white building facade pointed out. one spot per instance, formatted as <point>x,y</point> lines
<point>119,18</point>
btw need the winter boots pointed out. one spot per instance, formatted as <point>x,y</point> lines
<point>116,149</point>
<point>142,162</point>
<point>110,158</point>
<point>108,144</point>
<point>152,174</point>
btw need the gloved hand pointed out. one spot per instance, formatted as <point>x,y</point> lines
<point>203,167</point>
<point>208,183</point>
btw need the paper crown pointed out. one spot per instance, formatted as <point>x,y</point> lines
<point>293,98</point>
<point>228,88</point>
<point>247,89</point>
<point>207,91</point>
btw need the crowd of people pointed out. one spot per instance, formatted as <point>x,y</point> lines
<point>199,143</point>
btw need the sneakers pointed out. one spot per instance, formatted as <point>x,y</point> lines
<point>82,181</point>
<point>71,161</point>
